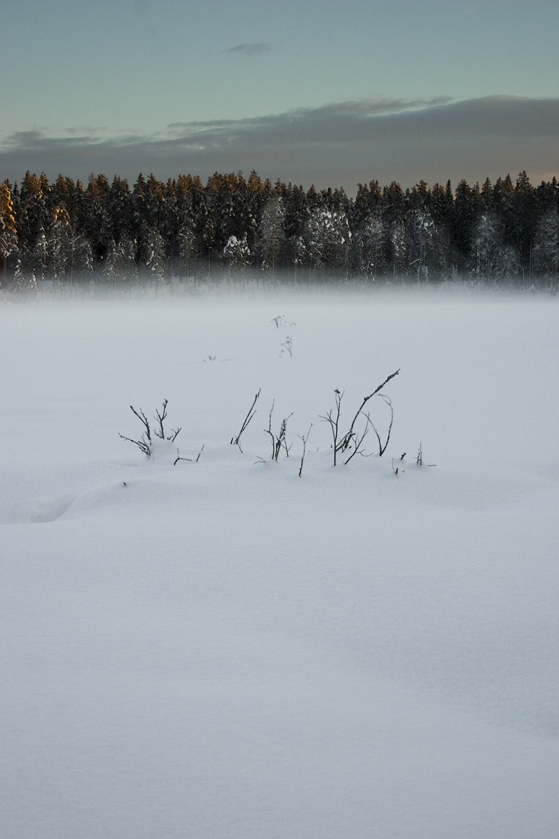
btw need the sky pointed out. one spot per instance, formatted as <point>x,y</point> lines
<point>309,91</point>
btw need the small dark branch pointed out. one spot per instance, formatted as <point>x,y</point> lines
<point>346,439</point>
<point>189,459</point>
<point>278,440</point>
<point>142,444</point>
<point>402,456</point>
<point>174,434</point>
<point>178,457</point>
<point>279,320</point>
<point>382,446</point>
<point>286,447</point>
<point>419,459</point>
<point>236,441</point>
<point>281,440</point>
<point>358,443</point>
<point>269,430</point>
<point>288,345</point>
<point>334,420</point>
<point>143,419</point>
<point>160,417</point>
<point>395,469</point>
<point>376,433</point>
<point>304,438</point>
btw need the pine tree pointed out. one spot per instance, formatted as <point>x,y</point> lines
<point>272,233</point>
<point>237,253</point>
<point>80,259</point>
<point>153,253</point>
<point>59,244</point>
<point>546,245</point>
<point>8,230</point>
<point>393,215</point>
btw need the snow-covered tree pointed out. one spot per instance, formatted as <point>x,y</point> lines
<point>546,244</point>
<point>372,237</point>
<point>272,233</point>
<point>120,264</point>
<point>237,252</point>
<point>420,241</point>
<point>8,230</point>
<point>80,258</point>
<point>186,241</point>
<point>59,244</point>
<point>486,246</point>
<point>40,255</point>
<point>327,238</point>
<point>153,248</point>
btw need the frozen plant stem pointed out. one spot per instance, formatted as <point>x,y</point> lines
<point>383,446</point>
<point>288,345</point>
<point>145,443</point>
<point>351,438</point>
<point>347,438</point>
<point>304,438</point>
<point>236,441</point>
<point>333,419</point>
<point>279,440</point>
<point>189,459</point>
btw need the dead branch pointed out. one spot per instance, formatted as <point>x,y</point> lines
<point>358,442</point>
<point>145,441</point>
<point>333,419</point>
<point>419,459</point>
<point>269,430</point>
<point>382,446</point>
<point>304,438</point>
<point>141,443</point>
<point>143,419</point>
<point>189,459</point>
<point>278,440</point>
<point>160,417</point>
<point>288,345</point>
<point>347,438</point>
<point>178,457</point>
<point>281,440</point>
<point>236,441</point>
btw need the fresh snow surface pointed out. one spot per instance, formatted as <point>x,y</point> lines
<point>224,650</point>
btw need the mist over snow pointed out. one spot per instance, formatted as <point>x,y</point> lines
<point>222,649</point>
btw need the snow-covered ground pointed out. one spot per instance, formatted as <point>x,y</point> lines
<point>224,650</point>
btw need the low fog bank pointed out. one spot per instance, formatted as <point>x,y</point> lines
<point>257,284</point>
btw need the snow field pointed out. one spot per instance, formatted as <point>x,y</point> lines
<point>222,649</point>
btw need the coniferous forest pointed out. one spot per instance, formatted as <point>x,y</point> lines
<point>65,233</point>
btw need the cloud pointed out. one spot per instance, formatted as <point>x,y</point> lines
<point>250,49</point>
<point>338,144</point>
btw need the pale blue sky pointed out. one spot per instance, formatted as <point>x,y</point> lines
<point>100,75</point>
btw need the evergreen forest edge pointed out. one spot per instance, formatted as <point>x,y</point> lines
<point>65,233</point>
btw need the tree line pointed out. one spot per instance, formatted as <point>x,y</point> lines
<point>66,232</point>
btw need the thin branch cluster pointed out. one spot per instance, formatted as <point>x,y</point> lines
<point>347,441</point>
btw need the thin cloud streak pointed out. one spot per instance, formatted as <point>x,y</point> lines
<point>250,49</point>
<point>337,144</point>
